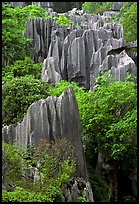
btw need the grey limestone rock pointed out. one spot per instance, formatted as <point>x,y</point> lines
<point>39,30</point>
<point>117,6</point>
<point>17,4</point>
<point>80,50</point>
<point>45,5</point>
<point>76,61</point>
<point>77,187</point>
<point>51,118</point>
<point>50,70</point>
<point>119,65</point>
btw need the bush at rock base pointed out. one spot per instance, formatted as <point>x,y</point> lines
<point>55,173</point>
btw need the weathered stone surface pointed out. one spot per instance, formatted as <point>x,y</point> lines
<point>45,5</point>
<point>50,70</point>
<point>50,118</point>
<point>76,60</point>
<point>120,65</point>
<point>17,4</point>
<point>117,6</point>
<point>77,187</point>
<point>81,53</point>
<point>40,31</point>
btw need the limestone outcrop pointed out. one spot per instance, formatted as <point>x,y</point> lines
<point>45,5</point>
<point>79,52</point>
<point>75,188</point>
<point>51,119</point>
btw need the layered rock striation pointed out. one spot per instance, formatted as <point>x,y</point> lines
<point>79,52</point>
<point>51,118</point>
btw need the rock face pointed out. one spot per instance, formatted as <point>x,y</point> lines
<point>52,118</point>
<point>81,51</point>
<point>75,188</point>
<point>45,5</point>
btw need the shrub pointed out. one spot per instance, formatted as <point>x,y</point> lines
<point>14,163</point>
<point>56,163</point>
<point>62,20</point>
<point>18,94</point>
<point>22,68</point>
<point>48,187</point>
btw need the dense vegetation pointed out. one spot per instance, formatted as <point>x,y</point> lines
<point>109,121</point>
<point>56,171</point>
<point>108,115</point>
<point>18,94</point>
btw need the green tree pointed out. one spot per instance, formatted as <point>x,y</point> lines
<point>109,119</point>
<point>62,20</point>
<point>22,68</point>
<point>18,94</point>
<point>96,7</point>
<point>128,20</point>
<point>14,43</point>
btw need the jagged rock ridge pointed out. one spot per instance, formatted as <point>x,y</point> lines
<point>51,118</point>
<point>78,52</point>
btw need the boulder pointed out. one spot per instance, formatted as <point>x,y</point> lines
<point>51,118</point>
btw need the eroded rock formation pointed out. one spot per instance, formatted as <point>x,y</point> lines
<point>52,118</point>
<point>81,51</point>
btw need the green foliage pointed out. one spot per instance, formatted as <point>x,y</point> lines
<point>55,172</point>
<point>81,198</point>
<point>127,17</point>
<point>96,7</point>
<point>114,109</point>
<point>57,163</point>
<point>18,94</point>
<point>62,20</point>
<point>129,199</point>
<point>22,195</point>
<point>14,44</point>
<point>129,20</point>
<point>22,68</point>
<point>14,163</point>
<point>108,115</point>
